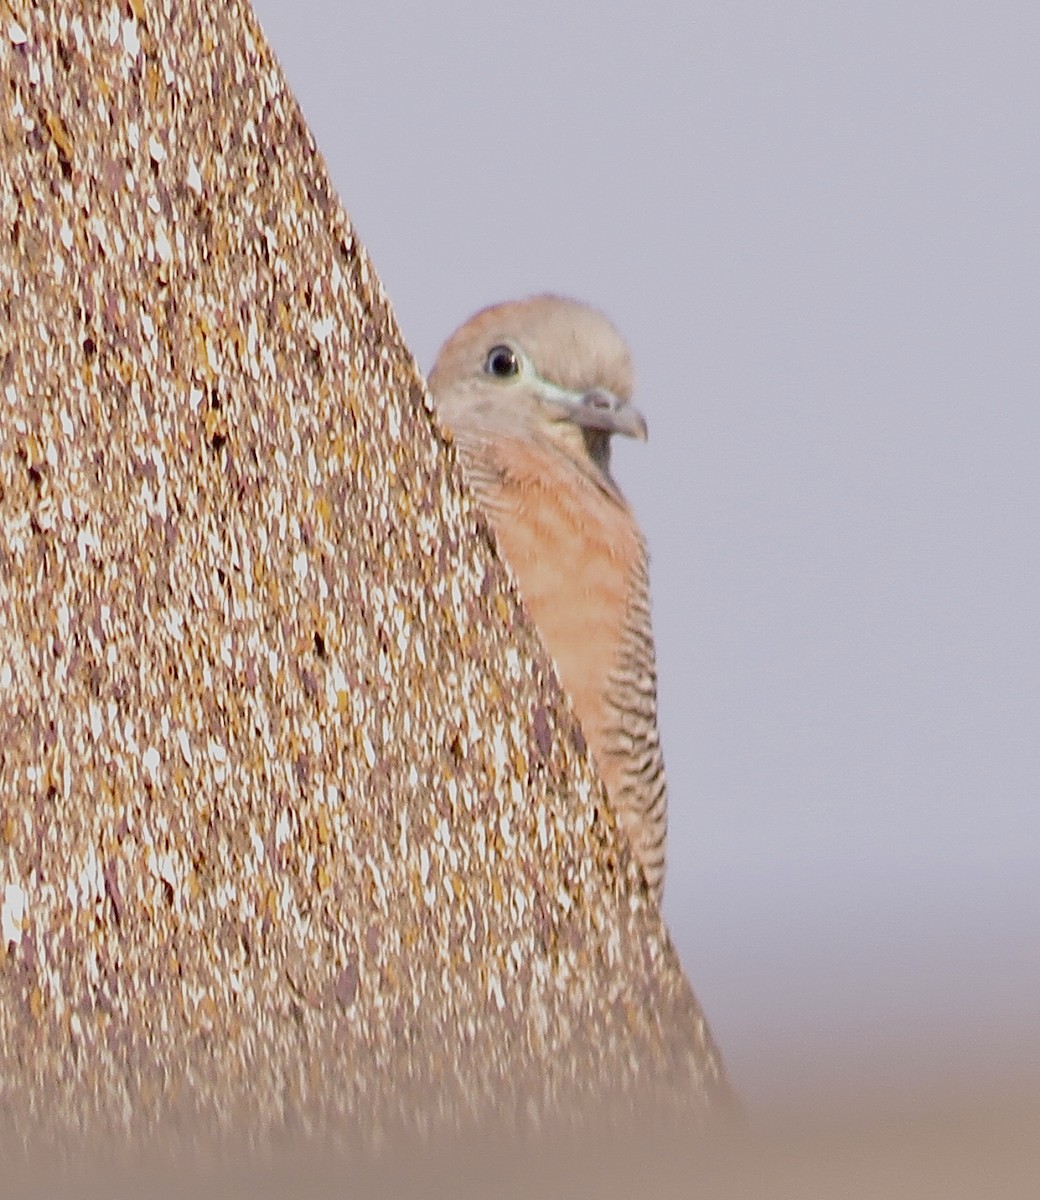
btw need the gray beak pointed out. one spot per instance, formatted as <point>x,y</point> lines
<point>603,411</point>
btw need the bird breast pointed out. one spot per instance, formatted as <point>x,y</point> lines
<point>576,554</point>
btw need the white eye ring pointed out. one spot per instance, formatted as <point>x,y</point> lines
<point>502,362</point>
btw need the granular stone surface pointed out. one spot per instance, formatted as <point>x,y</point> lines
<point>297,831</point>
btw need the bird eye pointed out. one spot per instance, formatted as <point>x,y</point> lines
<point>502,362</point>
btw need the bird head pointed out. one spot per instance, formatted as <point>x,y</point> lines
<point>547,368</point>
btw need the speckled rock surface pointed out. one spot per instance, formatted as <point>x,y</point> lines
<point>296,830</point>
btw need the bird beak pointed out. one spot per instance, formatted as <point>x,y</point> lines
<point>603,411</point>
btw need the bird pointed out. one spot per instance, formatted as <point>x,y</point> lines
<point>531,392</point>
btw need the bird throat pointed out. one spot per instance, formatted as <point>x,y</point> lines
<point>597,443</point>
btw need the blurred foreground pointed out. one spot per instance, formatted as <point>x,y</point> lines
<point>967,1140</point>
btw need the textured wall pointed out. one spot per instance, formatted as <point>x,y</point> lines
<point>294,822</point>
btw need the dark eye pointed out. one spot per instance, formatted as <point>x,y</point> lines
<point>502,362</point>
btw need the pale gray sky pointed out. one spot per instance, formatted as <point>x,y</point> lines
<point>818,225</point>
